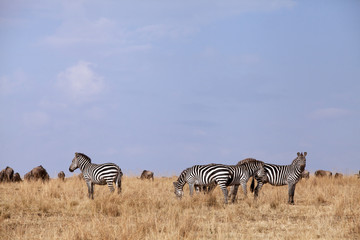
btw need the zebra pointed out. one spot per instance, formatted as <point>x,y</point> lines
<point>100,174</point>
<point>203,175</point>
<point>279,175</point>
<point>198,188</point>
<point>222,175</point>
<point>253,168</point>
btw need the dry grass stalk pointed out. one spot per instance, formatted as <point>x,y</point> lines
<point>325,209</point>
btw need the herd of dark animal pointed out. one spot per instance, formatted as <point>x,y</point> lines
<point>37,173</point>
<point>40,173</point>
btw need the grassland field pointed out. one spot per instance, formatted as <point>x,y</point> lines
<point>325,208</point>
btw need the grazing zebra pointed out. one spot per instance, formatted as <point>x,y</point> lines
<point>253,168</point>
<point>100,174</point>
<point>206,188</point>
<point>279,175</point>
<point>205,175</point>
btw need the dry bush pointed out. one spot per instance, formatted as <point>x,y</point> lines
<point>324,209</point>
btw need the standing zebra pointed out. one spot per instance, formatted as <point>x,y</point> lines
<point>253,168</point>
<point>100,174</point>
<point>279,175</point>
<point>222,175</point>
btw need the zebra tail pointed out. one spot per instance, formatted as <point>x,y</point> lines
<point>118,180</point>
<point>252,184</point>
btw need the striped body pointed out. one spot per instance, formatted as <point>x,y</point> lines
<point>100,174</point>
<point>252,168</point>
<point>205,175</point>
<point>279,175</point>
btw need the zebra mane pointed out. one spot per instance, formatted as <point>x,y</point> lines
<point>294,161</point>
<point>182,174</point>
<point>84,156</point>
<point>249,160</point>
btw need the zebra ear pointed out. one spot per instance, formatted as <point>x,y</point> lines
<point>305,153</point>
<point>298,154</point>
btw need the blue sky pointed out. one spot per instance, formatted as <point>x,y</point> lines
<point>164,85</point>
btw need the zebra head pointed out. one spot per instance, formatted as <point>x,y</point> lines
<point>79,161</point>
<point>300,161</point>
<point>178,190</point>
<point>75,162</point>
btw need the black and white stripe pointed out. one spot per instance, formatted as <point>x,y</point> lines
<point>279,175</point>
<point>198,188</point>
<point>252,168</point>
<point>100,174</point>
<point>205,175</point>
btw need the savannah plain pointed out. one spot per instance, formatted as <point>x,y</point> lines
<point>325,208</point>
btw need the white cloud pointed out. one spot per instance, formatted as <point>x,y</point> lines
<point>171,20</point>
<point>100,31</point>
<point>80,82</point>
<point>326,113</point>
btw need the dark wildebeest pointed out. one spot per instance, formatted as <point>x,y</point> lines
<point>16,177</point>
<point>37,173</point>
<point>2,175</point>
<point>338,175</point>
<point>322,173</point>
<point>28,176</point>
<point>6,175</point>
<point>147,175</point>
<point>61,175</point>
<point>305,174</point>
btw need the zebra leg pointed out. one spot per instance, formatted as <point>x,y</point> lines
<point>204,189</point>
<point>225,192</point>
<point>243,184</point>
<point>197,188</point>
<point>119,187</point>
<point>231,190</point>
<point>191,186</point>
<point>90,189</point>
<point>291,193</point>
<point>257,189</point>
<point>118,182</point>
<point>233,193</point>
<point>111,186</point>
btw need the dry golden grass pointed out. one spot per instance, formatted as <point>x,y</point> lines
<point>324,209</point>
